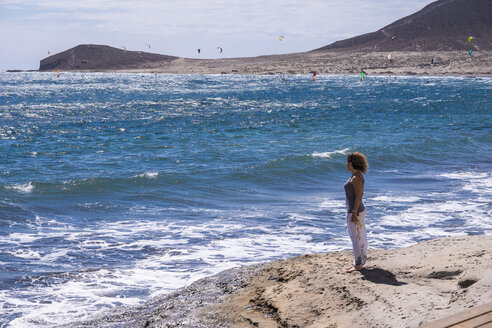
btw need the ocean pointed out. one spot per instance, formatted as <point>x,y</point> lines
<point>116,188</point>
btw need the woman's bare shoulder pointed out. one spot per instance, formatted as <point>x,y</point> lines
<point>357,178</point>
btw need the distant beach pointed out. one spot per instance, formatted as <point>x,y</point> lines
<point>432,63</point>
<point>339,63</point>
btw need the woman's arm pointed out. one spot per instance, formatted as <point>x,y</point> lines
<point>359,192</point>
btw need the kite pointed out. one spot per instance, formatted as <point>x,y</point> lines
<point>147,45</point>
<point>470,38</point>
<point>198,50</point>
<point>219,49</point>
<point>394,37</point>
<point>281,37</point>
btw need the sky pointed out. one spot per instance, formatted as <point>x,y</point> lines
<point>29,29</point>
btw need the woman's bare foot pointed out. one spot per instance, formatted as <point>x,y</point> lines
<point>353,268</point>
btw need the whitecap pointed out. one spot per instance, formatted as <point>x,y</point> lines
<point>149,175</point>
<point>25,254</point>
<point>329,154</point>
<point>25,188</point>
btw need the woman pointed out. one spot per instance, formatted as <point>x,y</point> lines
<point>356,212</point>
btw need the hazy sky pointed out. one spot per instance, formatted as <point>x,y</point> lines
<point>31,28</point>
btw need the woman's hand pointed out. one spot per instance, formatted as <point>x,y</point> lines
<point>354,218</point>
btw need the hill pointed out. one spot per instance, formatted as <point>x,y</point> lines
<point>432,41</point>
<point>441,25</point>
<point>100,57</point>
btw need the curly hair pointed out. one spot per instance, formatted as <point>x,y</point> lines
<point>359,161</point>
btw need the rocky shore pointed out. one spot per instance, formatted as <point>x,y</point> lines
<point>405,287</point>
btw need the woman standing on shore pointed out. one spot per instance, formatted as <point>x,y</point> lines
<point>356,212</point>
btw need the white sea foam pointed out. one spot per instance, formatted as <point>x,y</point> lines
<point>395,199</point>
<point>25,254</point>
<point>329,154</point>
<point>19,238</point>
<point>478,182</point>
<point>333,204</point>
<point>24,188</point>
<point>164,271</point>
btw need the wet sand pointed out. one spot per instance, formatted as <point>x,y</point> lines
<point>404,287</point>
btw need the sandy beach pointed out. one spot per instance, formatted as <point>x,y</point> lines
<point>373,63</point>
<point>405,287</point>
<point>97,58</point>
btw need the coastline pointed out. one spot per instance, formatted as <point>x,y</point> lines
<point>404,287</point>
<point>402,63</point>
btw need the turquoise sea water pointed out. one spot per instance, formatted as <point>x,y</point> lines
<point>119,187</point>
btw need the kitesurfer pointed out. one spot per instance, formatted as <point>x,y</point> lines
<point>362,75</point>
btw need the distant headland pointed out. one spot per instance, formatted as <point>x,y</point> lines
<point>447,37</point>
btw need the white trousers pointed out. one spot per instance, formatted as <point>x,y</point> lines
<point>358,235</point>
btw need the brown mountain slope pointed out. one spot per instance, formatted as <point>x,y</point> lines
<point>441,25</point>
<point>97,57</point>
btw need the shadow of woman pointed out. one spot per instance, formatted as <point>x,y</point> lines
<point>380,276</point>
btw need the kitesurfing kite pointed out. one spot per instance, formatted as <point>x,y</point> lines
<point>281,37</point>
<point>394,37</point>
<point>198,50</point>
<point>220,49</point>
<point>147,45</point>
<point>49,52</point>
<point>470,38</point>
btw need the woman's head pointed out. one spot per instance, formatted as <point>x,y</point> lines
<point>358,161</point>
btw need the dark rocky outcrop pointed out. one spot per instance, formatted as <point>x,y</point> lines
<point>100,57</point>
<point>441,25</point>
